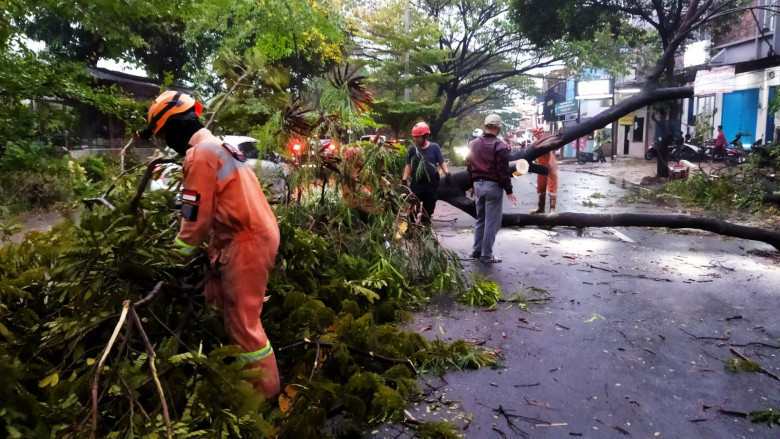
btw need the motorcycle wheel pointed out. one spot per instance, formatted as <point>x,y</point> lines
<point>580,160</point>
<point>649,155</point>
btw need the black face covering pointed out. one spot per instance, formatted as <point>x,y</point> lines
<point>179,129</point>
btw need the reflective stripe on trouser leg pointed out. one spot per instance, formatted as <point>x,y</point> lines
<point>251,357</point>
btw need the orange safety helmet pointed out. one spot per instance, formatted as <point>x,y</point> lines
<point>420,129</point>
<point>170,102</point>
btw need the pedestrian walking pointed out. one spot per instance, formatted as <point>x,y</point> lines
<point>422,163</point>
<point>489,175</point>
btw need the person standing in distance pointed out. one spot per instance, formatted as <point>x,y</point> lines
<point>422,163</point>
<point>719,148</point>
<point>223,205</point>
<point>546,183</point>
<point>488,169</point>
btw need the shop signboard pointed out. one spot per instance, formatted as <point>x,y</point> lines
<point>717,80</point>
<point>566,107</point>
<point>594,89</point>
<point>627,120</point>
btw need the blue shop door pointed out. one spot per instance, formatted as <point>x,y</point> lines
<point>740,115</point>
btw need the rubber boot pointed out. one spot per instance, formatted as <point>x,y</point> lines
<point>540,208</point>
<point>553,198</point>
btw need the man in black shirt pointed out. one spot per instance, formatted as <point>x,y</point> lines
<point>422,163</point>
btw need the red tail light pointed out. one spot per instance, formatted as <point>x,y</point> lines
<point>332,146</point>
<point>394,141</point>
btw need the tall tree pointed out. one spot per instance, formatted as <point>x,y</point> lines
<point>673,22</point>
<point>140,31</point>
<point>464,54</point>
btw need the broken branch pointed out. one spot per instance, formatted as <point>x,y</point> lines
<point>404,361</point>
<point>102,362</point>
<point>152,358</point>
<point>760,369</point>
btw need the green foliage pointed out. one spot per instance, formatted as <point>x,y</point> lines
<point>459,355</point>
<point>341,277</point>
<point>737,364</point>
<point>704,128</point>
<point>770,416</point>
<point>34,176</point>
<point>723,193</point>
<point>482,292</point>
<point>465,60</point>
<point>589,203</point>
<point>96,168</point>
<point>436,430</point>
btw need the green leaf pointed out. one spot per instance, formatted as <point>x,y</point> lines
<point>51,380</point>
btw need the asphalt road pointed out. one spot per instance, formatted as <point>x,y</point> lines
<point>633,340</point>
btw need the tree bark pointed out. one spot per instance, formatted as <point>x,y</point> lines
<point>454,194</point>
<point>647,96</point>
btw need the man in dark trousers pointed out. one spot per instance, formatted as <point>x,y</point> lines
<point>422,163</point>
<point>488,169</point>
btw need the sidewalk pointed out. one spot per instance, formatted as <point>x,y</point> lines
<point>630,169</point>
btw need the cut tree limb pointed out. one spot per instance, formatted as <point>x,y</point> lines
<point>152,358</point>
<point>102,362</point>
<point>454,194</point>
<point>582,220</point>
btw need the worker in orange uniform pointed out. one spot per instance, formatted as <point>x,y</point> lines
<point>223,203</point>
<point>546,183</point>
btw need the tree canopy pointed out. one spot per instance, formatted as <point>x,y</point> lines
<point>465,56</point>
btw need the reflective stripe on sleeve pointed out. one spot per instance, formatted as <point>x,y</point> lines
<point>250,357</point>
<point>184,248</point>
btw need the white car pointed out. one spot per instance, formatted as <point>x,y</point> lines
<point>372,139</point>
<point>271,169</point>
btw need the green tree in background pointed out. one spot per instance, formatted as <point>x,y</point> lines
<point>463,56</point>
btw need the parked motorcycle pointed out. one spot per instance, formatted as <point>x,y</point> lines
<point>676,144</point>
<point>738,155</point>
<point>652,152</point>
<point>688,151</point>
<point>589,157</point>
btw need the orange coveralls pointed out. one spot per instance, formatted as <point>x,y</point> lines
<point>548,183</point>
<point>222,202</point>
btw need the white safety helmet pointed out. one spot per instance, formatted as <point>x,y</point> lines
<point>476,133</point>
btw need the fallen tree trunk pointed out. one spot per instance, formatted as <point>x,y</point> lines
<point>454,193</point>
<point>581,220</point>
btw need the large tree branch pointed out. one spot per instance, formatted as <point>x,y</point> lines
<point>645,97</point>
<point>454,194</point>
<point>582,220</point>
<point>488,79</point>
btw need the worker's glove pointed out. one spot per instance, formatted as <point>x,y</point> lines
<point>448,178</point>
<point>405,183</point>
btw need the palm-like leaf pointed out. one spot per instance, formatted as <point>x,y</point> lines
<point>360,97</point>
<point>294,121</point>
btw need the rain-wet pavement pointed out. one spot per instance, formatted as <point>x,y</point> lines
<point>632,341</point>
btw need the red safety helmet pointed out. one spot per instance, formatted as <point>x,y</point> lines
<point>420,129</point>
<point>170,102</point>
